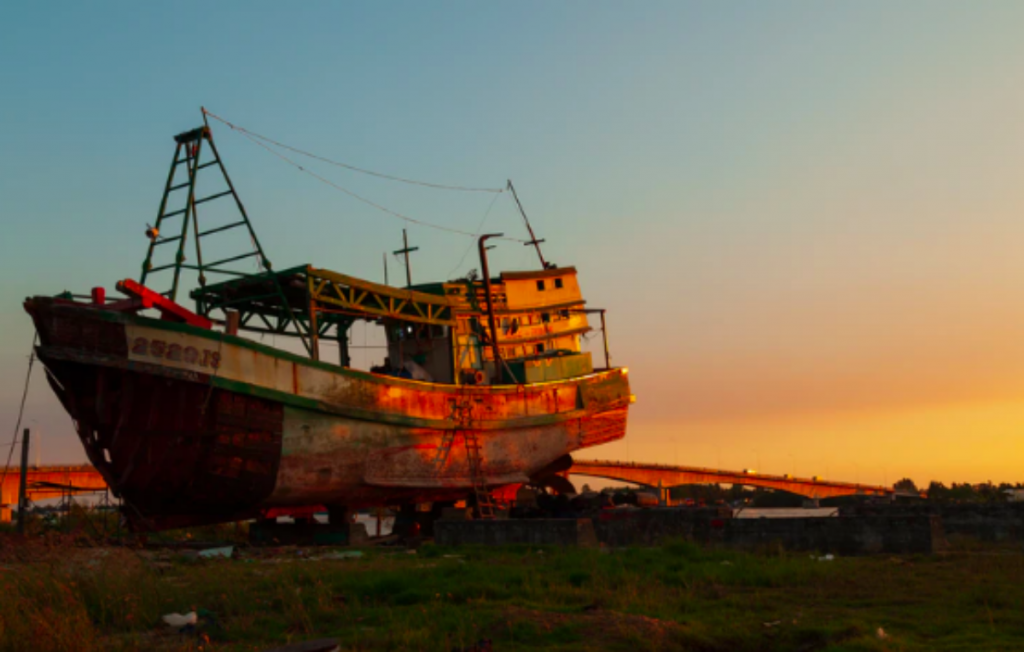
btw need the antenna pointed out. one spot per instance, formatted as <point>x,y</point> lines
<point>533,238</point>
<point>406,251</point>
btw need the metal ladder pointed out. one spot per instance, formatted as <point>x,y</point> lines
<point>484,500</point>
<point>444,450</point>
<point>462,415</point>
<point>190,145</point>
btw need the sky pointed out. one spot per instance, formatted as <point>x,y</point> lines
<point>804,218</point>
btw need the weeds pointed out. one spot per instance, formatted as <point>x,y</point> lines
<point>56,596</point>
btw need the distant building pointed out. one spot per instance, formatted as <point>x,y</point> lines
<point>1015,495</point>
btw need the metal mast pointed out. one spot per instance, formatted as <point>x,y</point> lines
<point>188,152</point>
<point>533,238</point>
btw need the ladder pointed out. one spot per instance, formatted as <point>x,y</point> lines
<point>187,155</point>
<point>444,450</point>
<point>484,500</point>
<point>462,415</point>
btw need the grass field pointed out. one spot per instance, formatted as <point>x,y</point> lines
<point>676,597</point>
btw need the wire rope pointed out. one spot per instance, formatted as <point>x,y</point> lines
<point>21,410</point>
<point>479,230</point>
<point>411,220</point>
<point>347,166</point>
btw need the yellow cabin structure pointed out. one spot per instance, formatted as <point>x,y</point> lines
<point>540,317</point>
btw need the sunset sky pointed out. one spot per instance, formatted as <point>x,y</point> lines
<point>805,219</point>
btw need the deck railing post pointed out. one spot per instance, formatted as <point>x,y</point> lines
<point>604,337</point>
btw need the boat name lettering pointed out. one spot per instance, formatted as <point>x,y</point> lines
<point>175,352</point>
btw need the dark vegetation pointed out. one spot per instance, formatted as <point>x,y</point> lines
<point>935,492</point>
<point>58,594</point>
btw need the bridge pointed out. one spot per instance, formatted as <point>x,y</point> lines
<point>47,482</point>
<point>662,476</point>
<point>57,481</point>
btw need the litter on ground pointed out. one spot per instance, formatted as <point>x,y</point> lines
<point>178,621</point>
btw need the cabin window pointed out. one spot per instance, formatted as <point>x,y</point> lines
<point>564,313</point>
<point>558,284</point>
<point>515,325</point>
<point>540,285</point>
<point>539,348</point>
<point>545,317</point>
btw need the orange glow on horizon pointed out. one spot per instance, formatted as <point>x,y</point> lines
<point>970,441</point>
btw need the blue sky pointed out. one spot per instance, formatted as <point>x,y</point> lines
<point>799,214</point>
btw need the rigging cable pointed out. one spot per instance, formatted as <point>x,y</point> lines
<point>381,175</point>
<point>411,220</point>
<point>21,410</point>
<point>479,230</point>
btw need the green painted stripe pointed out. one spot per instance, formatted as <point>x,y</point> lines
<point>302,402</point>
<point>216,336</point>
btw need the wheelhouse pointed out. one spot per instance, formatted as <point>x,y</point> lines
<point>437,332</point>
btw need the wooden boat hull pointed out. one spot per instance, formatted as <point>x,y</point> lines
<point>193,426</point>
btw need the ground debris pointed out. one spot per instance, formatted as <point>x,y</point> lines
<point>223,552</point>
<point>177,620</point>
<point>600,623</point>
<point>341,554</point>
<point>319,645</point>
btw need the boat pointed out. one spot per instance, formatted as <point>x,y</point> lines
<point>192,420</point>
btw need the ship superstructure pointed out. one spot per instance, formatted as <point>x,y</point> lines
<point>485,382</point>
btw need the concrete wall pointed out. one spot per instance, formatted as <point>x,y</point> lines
<point>998,522</point>
<point>861,535</point>
<point>897,529</point>
<point>994,523</point>
<point>541,531</point>
<point>899,533</point>
<point>646,527</point>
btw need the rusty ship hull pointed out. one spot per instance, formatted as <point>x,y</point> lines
<point>191,426</point>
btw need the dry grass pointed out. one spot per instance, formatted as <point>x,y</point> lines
<point>57,596</point>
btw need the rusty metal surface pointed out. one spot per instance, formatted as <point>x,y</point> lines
<point>192,426</point>
<point>232,361</point>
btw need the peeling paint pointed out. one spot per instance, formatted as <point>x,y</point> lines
<point>263,428</point>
